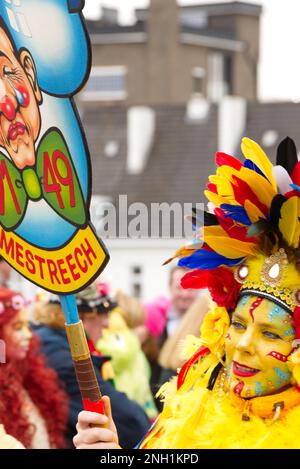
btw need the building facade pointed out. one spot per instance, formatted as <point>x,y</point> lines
<point>172,52</point>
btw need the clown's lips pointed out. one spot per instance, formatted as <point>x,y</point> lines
<point>243,370</point>
<point>15,130</point>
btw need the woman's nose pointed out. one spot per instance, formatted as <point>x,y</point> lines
<point>28,333</point>
<point>246,343</point>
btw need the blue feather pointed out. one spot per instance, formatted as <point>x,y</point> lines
<point>295,187</point>
<point>203,259</point>
<point>250,165</point>
<point>237,213</point>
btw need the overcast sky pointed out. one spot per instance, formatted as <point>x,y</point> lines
<point>280,38</point>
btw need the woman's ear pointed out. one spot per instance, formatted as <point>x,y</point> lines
<point>28,65</point>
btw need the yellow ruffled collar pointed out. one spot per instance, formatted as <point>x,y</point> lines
<point>267,407</point>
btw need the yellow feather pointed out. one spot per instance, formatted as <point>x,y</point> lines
<point>183,252</point>
<point>253,212</point>
<point>218,240</point>
<point>289,225</point>
<point>263,190</point>
<point>231,248</point>
<point>224,186</point>
<point>252,151</point>
<point>218,200</point>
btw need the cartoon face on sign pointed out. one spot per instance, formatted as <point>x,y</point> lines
<point>44,162</point>
<point>20,98</point>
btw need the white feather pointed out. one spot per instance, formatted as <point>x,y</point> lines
<point>282,178</point>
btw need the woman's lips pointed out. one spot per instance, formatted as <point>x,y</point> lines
<point>15,130</point>
<point>243,370</point>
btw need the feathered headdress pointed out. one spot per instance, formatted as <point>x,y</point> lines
<point>250,243</point>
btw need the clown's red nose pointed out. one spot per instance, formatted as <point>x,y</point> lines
<point>7,108</point>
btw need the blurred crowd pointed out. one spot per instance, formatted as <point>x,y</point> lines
<point>135,347</point>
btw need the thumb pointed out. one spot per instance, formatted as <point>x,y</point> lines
<point>108,413</point>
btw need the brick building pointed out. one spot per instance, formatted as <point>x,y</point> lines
<point>172,52</point>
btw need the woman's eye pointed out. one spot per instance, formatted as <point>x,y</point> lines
<point>271,335</point>
<point>238,325</point>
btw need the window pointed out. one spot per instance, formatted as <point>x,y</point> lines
<point>136,281</point>
<point>198,74</point>
<point>219,76</point>
<point>106,84</point>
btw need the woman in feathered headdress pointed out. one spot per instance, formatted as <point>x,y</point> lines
<point>243,375</point>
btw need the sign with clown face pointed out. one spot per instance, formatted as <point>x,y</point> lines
<point>45,174</point>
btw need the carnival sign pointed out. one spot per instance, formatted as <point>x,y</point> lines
<point>45,173</point>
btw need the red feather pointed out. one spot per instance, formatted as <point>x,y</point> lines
<point>223,287</point>
<point>243,192</point>
<point>296,174</point>
<point>232,228</point>
<point>212,187</point>
<point>197,279</point>
<point>222,159</point>
<point>201,352</point>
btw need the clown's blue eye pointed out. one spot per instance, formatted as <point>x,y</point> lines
<point>238,325</point>
<point>271,335</point>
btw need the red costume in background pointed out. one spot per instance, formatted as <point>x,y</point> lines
<point>41,385</point>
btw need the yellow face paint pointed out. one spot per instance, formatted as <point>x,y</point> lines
<point>257,346</point>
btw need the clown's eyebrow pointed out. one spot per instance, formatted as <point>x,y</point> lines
<point>2,54</point>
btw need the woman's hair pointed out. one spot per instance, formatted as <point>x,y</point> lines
<point>171,353</point>
<point>40,382</point>
<point>49,314</point>
<point>131,309</point>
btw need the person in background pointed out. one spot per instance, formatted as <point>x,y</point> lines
<point>171,356</point>
<point>131,369</point>
<point>130,418</point>
<point>33,407</point>
<point>5,273</point>
<point>163,317</point>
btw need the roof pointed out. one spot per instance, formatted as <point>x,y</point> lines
<point>230,8</point>
<point>182,156</point>
<point>105,26</point>
<point>280,118</point>
<point>97,27</point>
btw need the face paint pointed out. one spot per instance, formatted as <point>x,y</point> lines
<point>278,356</point>
<point>254,305</point>
<point>257,353</point>
<point>238,388</point>
<point>281,376</point>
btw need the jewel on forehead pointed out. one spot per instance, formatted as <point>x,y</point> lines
<point>274,267</point>
<point>241,273</point>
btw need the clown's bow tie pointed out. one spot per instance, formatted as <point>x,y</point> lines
<point>53,179</point>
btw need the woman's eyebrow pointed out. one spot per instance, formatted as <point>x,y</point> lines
<point>268,325</point>
<point>238,316</point>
